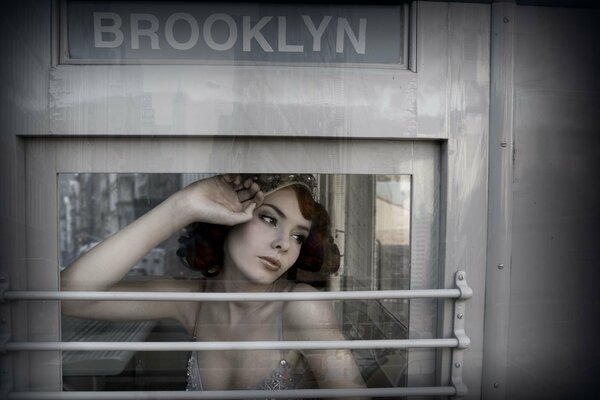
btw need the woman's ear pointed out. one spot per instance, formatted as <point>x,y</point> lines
<point>331,257</point>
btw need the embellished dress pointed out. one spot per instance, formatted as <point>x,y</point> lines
<point>282,377</point>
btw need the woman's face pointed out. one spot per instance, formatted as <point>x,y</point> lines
<point>264,248</point>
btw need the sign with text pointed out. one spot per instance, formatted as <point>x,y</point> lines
<point>115,32</point>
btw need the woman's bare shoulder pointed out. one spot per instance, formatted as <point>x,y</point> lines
<point>162,284</point>
<point>307,313</point>
<point>301,287</point>
<point>185,311</point>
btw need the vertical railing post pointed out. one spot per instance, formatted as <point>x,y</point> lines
<point>466,292</point>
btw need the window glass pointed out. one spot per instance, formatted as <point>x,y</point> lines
<point>369,250</point>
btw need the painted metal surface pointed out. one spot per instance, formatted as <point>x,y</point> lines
<point>208,100</point>
<point>554,303</point>
<point>425,267</point>
<point>463,203</point>
<point>42,265</point>
<point>446,100</point>
<point>499,261</point>
<point>230,100</point>
<point>25,50</point>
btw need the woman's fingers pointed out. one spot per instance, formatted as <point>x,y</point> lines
<point>248,192</point>
<point>233,179</point>
<point>248,210</point>
<point>245,215</point>
<point>259,197</point>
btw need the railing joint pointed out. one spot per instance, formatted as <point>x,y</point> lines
<point>456,377</point>
<point>461,283</point>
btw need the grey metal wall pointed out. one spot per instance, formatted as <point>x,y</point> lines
<point>541,338</point>
<point>25,46</point>
<point>541,308</point>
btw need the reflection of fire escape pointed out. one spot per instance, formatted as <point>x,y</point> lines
<point>370,320</point>
<point>94,206</point>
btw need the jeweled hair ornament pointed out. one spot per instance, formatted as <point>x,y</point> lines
<point>271,182</point>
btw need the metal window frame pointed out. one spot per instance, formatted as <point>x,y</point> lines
<point>47,156</point>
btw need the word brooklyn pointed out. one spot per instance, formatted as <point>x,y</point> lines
<point>221,32</point>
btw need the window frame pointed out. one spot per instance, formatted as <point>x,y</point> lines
<point>47,157</point>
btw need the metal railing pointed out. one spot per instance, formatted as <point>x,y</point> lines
<point>237,394</point>
<point>213,297</point>
<point>249,345</point>
<point>457,343</point>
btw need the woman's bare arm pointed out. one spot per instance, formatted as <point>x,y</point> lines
<point>315,320</point>
<point>222,200</point>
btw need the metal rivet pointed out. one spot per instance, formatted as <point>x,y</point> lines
<point>500,266</point>
<point>457,365</point>
<point>496,385</point>
<point>506,20</point>
<point>459,316</point>
<point>460,277</point>
<point>503,144</point>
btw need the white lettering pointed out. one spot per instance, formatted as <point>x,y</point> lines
<point>221,32</point>
<point>282,38</point>
<point>194,34</point>
<point>316,33</point>
<point>254,33</point>
<point>114,28</point>
<point>343,26</point>
<point>150,32</point>
<point>207,31</point>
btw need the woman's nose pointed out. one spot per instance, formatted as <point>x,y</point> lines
<point>281,242</point>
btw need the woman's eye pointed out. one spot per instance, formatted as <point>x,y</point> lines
<point>299,238</point>
<point>269,220</point>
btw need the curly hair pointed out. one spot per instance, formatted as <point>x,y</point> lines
<point>201,248</point>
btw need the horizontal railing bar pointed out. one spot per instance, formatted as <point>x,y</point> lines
<point>240,345</point>
<point>237,394</point>
<point>277,296</point>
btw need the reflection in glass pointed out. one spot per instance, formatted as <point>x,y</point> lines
<point>370,217</point>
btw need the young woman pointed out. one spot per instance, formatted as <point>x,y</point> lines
<point>272,223</point>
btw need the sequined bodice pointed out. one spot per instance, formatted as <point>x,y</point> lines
<point>281,378</point>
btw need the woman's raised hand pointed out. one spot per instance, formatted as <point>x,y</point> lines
<point>223,199</point>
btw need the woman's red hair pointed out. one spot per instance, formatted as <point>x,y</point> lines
<point>202,247</point>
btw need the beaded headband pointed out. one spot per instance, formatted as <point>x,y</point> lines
<point>271,182</point>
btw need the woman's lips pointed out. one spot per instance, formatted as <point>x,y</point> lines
<point>271,263</point>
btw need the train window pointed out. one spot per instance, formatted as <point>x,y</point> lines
<point>369,233</point>
<point>382,197</point>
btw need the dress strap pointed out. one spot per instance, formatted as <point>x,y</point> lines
<point>202,289</point>
<point>194,379</point>
<point>194,336</point>
<point>280,317</point>
<point>291,356</point>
